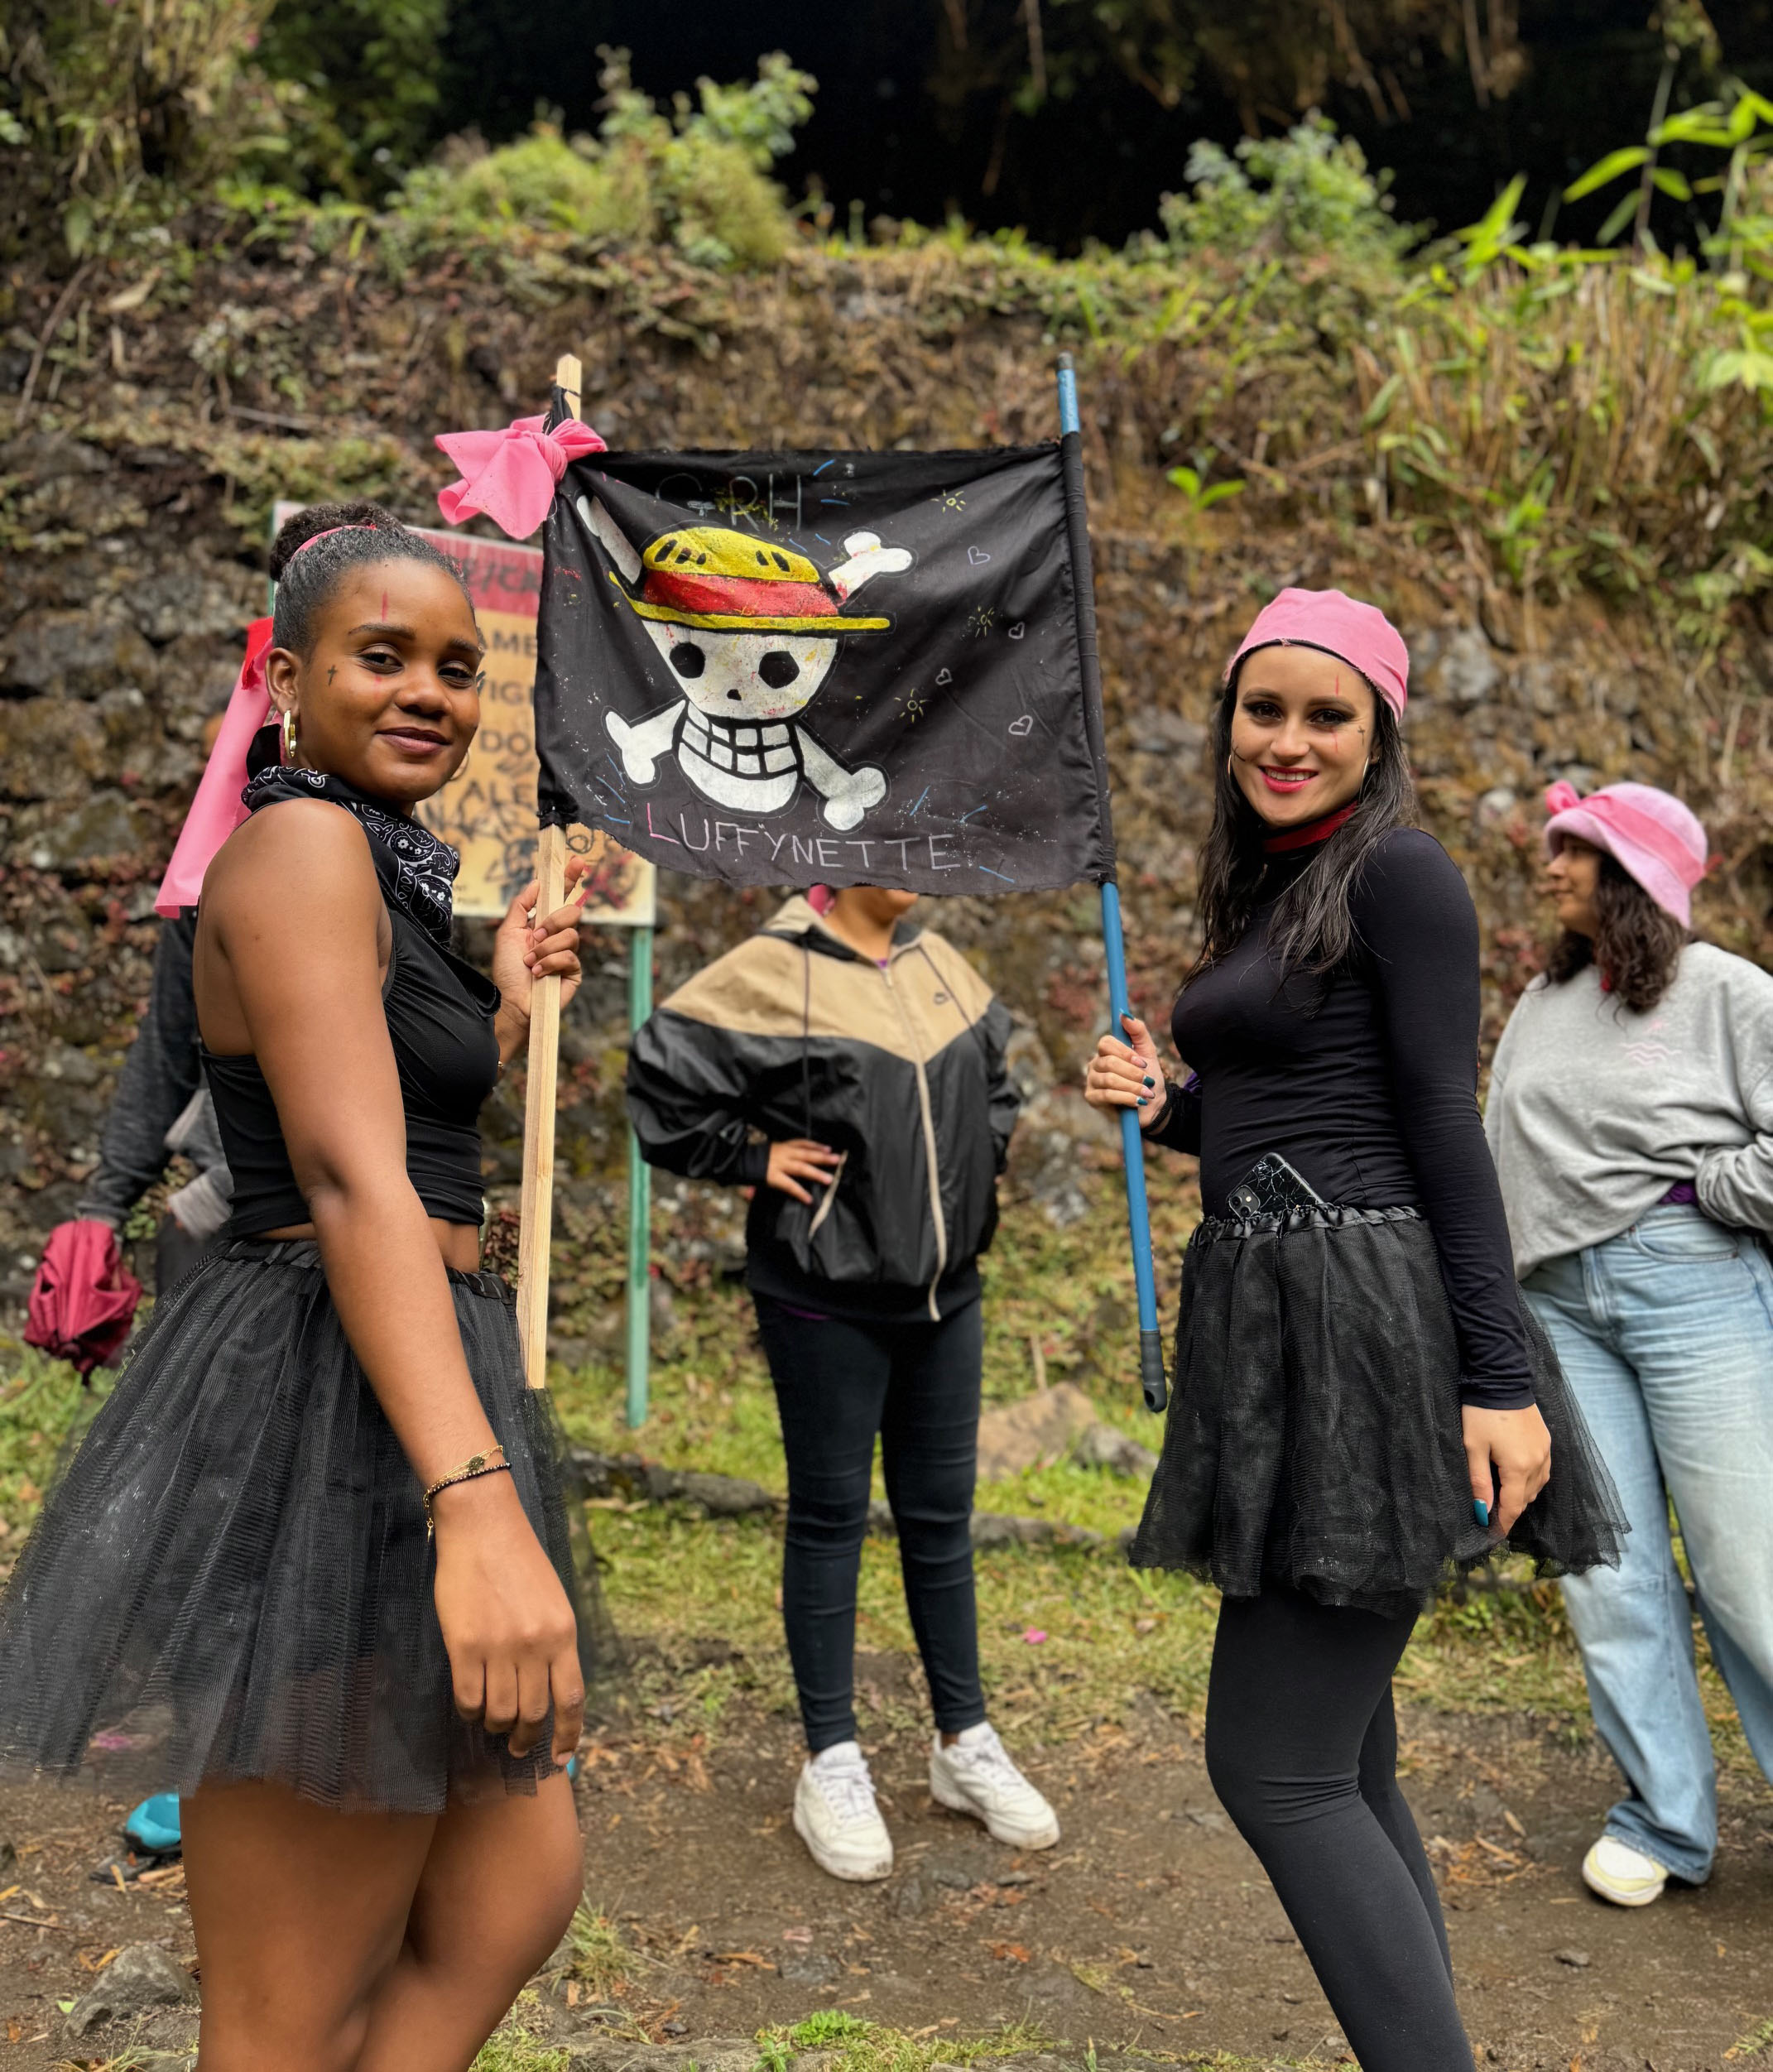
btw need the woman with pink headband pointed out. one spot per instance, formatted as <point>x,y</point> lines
<point>1632,1116</point>
<point>1361,1403</point>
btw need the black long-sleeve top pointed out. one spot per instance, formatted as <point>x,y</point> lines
<point>162,1071</point>
<point>1365,1081</point>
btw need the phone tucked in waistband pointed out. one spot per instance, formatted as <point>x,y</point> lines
<point>1270,1188</point>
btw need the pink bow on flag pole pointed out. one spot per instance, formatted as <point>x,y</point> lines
<point>512,474</point>
<point>217,812</point>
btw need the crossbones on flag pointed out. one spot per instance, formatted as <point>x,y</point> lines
<point>804,668</point>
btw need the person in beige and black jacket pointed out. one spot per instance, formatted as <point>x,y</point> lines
<point>849,1067</point>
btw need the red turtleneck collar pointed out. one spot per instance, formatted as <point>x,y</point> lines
<point>1311,833</point>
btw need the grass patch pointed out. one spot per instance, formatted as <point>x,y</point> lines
<point>515,2049</point>
<point>1067,1293</point>
<point>598,1960</point>
<point>867,2046</point>
<point>1757,2043</point>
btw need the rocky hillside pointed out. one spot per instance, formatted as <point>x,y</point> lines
<point>149,420</point>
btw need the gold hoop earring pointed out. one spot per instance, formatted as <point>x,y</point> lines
<point>287,732</point>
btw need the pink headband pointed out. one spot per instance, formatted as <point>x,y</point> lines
<point>327,535</point>
<point>1358,634</point>
<point>1650,833</point>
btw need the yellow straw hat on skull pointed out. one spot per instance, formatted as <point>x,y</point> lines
<point>722,581</point>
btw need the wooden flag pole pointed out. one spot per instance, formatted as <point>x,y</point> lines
<point>536,1230</point>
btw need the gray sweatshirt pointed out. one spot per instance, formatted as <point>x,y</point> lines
<point>1595,1113</point>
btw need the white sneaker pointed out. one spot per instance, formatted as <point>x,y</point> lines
<point>835,1815</point>
<point>1619,1872</point>
<point>976,1776</point>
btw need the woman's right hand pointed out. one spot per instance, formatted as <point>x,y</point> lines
<point>798,1158</point>
<point>1126,1074</point>
<point>507,1624</point>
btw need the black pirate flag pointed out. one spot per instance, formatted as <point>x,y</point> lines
<point>792,669</point>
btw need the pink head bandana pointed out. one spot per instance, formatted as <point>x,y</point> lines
<point>216,811</point>
<point>1650,833</point>
<point>512,475</point>
<point>1358,634</point>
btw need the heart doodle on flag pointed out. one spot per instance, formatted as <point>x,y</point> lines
<point>978,556</point>
<point>1024,725</point>
<point>944,675</point>
<point>1017,630</point>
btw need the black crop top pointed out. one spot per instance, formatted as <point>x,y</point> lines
<point>1365,1082</point>
<point>440,1013</point>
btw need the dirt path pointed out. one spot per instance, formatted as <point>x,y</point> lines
<point>1150,1925</point>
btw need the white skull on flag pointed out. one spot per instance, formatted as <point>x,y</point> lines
<point>750,631</point>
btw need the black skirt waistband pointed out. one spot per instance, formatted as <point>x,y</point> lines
<point>303,1255</point>
<point>1322,1216</point>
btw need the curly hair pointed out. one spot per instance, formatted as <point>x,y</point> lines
<point>358,536</point>
<point>1636,947</point>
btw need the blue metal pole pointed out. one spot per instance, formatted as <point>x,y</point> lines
<point>640,1203</point>
<point>1133,1142</point>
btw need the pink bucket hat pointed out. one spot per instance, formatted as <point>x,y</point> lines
<point>1358,634</point>
<point>1650,833</point>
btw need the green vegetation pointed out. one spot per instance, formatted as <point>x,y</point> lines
<point>597,1958</point>
<point>1547,418</point>
<point>696,179</point>
<point>1757,2043</point>
<point>516,2048</point>
<point>848,2044</point>
<point>355,83</point>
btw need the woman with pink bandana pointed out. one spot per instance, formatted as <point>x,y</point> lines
<point>1361,1402</point>
<point>1631,1117</point>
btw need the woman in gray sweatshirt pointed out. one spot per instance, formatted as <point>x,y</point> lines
<point>1630,1116</point>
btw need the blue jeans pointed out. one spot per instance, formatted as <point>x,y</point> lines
<point>1666,1334</point>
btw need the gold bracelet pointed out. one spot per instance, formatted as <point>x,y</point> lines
<point>471,1470</point>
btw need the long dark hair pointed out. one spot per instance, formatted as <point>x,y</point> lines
<point>1636,945</point>
<point>1312,930</point>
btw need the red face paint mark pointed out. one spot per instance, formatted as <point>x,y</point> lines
<point>384,609</point>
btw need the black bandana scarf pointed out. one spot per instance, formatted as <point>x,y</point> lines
<point>417,870</point>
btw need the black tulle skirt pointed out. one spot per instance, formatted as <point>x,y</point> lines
<point>232,1579</point>
<point>1315,1440</point>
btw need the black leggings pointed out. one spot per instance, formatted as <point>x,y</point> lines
<point>1302,1749</point>
<point>839,1383</point>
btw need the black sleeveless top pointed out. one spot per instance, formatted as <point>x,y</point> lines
<point>440,1013</point>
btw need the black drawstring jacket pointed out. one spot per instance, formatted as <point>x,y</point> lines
<point>899,1069</point>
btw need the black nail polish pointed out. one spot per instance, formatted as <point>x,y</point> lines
<point>1142,1101</point>
<point>1150,1082</point>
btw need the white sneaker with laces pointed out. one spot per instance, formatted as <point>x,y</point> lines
<point>835,1815</point>
<point>1622,1873</point>
<point>976,1776</point>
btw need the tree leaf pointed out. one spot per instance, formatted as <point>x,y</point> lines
<point>1619,218</point>
<point>1607,169</point>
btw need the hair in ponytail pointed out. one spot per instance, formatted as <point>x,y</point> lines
<point>316,548</point>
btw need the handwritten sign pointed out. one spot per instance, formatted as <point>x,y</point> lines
<point>487,809</point>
